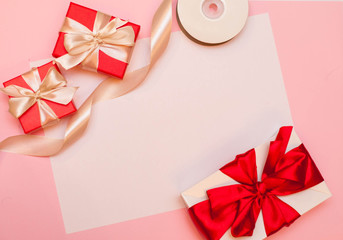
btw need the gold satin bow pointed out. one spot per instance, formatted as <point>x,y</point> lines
<point>52,88</point>
<point>83,45</point>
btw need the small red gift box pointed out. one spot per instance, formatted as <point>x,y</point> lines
<point>89,19</point>
<point>31,120</point>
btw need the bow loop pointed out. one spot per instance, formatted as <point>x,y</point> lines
<point>17,91</point>
<point>111,27</point>
<point>63,95</point>
<point>295,172</point>
<point>124,36</point>
<point>52,80</point>
<point>19,105</point>
<point>228,196</point>
<point>277,150</point>
<point>243,168</point>
<point>76,44</point>
<point>247,214</point>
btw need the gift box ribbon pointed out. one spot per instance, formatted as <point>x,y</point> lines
<point>83,45</point>
<point>52,88</point>
<point>238,206</point>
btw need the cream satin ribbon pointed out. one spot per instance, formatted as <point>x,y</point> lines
<point>83,45</point>
<point>52,88</point>
<point>108,89</point>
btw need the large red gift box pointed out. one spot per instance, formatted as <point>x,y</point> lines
<point>30,120</point>
<point>86,17</point>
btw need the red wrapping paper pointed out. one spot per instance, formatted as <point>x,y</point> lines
<point>30,120</point>
<point>86,17</point>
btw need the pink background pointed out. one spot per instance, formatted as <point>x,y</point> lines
<point>309,39</point>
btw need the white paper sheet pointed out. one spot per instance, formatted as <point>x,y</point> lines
<point>198,108</point>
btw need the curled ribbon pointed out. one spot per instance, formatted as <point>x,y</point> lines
<point>52,88</point>
<point>83,45</point>
<point>108,89</point>
<point>238,206</point>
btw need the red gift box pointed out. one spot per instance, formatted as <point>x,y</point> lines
<point>30,120</point>
<point>86,17</point>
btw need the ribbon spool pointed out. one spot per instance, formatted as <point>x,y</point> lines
<point>212,21</point>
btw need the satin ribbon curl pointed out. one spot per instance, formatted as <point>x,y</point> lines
<point>108,89</point>
<point>83,45</point>
<point>238,206</point>
<point>53,88</point>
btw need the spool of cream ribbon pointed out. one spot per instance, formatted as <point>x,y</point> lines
<point>212,21</point>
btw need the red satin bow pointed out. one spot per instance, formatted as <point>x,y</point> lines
<point>238,206</point>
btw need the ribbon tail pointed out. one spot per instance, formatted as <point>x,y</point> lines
<point>91,62</point>
<point>31,145</point>
<point>68,61</point>
<point>47,115</point>
<point>212,228</point>
<point>215,216</point>
<point>277,214</point>
<point>121,53</point>
<point>160,30</point>
<point>247,215</point>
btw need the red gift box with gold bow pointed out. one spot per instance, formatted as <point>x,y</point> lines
<point>39,97</point>
<point>96,41</point>
<point>258,193</point>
